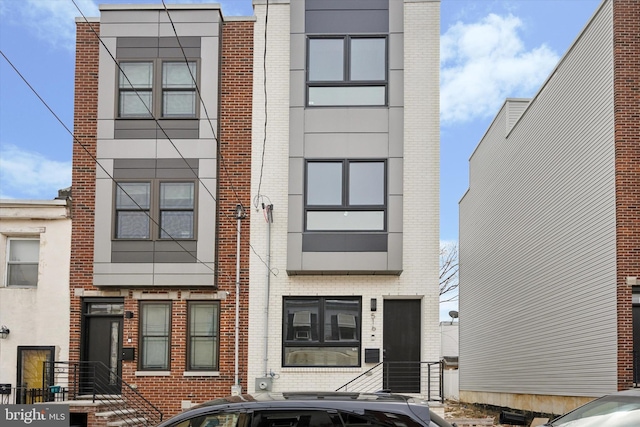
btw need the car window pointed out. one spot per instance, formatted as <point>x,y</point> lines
<point>213,420</point>
<point>299,418</point>
<point>378,418</point>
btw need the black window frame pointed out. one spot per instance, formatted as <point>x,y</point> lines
<point>290,340</point>
<point>157,89</point>
<point>345,206</point>
<point>215,336</point>
<point>155,210</point>
<point>347,81</point>
<point>142,336</point>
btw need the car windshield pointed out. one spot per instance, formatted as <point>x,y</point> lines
<point>610,411</point>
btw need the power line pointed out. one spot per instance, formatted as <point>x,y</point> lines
<point>162,129</point>
<point>75,139</point>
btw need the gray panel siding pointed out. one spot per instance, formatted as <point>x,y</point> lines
<point>162,129</point>
<point>537,237</point>
<point>345,133</point>
<point>344,242</point>
<point>346,16</point>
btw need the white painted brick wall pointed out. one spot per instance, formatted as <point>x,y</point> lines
<point>421,205</point>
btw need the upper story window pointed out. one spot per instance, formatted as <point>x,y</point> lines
<point>170,204</point>
<point>345,195</point>
<point>140,88</point>
<point>22,262</point>
<point>347,71</point>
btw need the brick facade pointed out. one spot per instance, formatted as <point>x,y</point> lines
<point>626,21</point>
<point>234,148</point>
<point>83,179</point>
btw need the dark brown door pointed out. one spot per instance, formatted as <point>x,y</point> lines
<point>401,346</point>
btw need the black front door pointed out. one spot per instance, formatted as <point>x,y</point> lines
<point>401,346</point>
<point>102,347</point>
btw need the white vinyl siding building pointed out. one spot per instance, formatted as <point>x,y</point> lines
<point>538,313</point>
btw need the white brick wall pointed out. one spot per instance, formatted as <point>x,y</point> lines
<point>421,205</point>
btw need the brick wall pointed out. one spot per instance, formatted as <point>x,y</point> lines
<point>626,24</point>
<point>234,145</point>
<point>83,173</point>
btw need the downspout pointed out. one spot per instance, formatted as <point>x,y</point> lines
<point>269,209</point>
<point>236,388</point>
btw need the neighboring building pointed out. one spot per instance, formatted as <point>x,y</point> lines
<point>35,243</point>
<point>550,231</point>
<point>161,158</point>
<point>348,170</point>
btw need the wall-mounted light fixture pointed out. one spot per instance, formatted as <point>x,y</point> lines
<point>4,332</point>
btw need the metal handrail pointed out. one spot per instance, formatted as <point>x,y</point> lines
<point>96,382</point>
<point>400,377</point>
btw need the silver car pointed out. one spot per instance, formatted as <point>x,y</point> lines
<point>621,409</point>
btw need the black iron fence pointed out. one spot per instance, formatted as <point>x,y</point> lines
<point>416,378</point>
<point>636,368</point>
<point>90,381</point>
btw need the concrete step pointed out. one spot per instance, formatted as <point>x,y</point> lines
<point>115,412</point>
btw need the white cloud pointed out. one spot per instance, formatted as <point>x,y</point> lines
<point>30,175</point>
<point>485,62</point>
<point>52,21</point>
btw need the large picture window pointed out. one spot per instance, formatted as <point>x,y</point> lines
<point>347,71</point>
<point>140,87</point>
<point>203,345</point>
<point>171,204</point>
<point>155,324</point>
<point>321,331</point>
<point>345,195</point>
<point>22,262</point>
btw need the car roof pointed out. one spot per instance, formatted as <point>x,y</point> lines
<point>352,402</point>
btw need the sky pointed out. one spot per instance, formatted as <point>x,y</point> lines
<point>490,50</point>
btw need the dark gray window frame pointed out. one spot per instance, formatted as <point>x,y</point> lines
<point>321,343</point>
<point>215,336</point>
<point>347,82</point>
<point>155,211</point>
<point>142,337</point>
<point>157,90</point>
<point>345,194</point>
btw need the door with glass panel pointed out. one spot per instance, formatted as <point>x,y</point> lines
<point>33,375</point>
<point>101,369</point>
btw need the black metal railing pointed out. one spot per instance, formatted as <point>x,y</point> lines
<point>95,382</point>
<point>636,368</point>
<point>419,378</point>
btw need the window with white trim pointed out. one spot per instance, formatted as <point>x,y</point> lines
<point>23,255</point>
<point>347,70</point>
<point>345,195</point>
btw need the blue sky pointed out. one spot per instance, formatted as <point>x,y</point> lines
<point>490,50</point>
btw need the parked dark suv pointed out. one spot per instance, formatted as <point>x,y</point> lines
<point>310,410</point>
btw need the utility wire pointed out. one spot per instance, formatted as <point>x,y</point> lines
<point>75,139</point>
<point>162,129</point>
<point>264,85</point>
